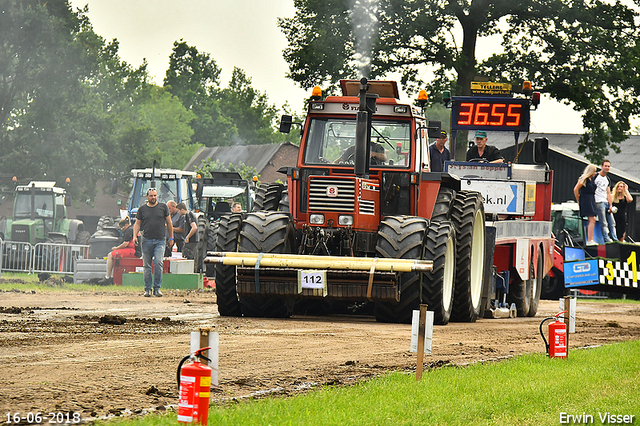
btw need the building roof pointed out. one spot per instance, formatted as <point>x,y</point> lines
<point>257,156</point>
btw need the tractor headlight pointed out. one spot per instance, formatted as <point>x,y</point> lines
<point>316,219</point>
<point>345,220</point>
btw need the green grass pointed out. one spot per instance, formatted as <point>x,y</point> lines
<point>29,282</point>
<point>526,390</point>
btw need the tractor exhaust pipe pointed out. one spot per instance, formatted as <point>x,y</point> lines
<point>363,129</point>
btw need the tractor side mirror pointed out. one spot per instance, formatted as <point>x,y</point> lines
<point>285,123</point>
<point>67,200</point>
<point>540,150</point>
<point>433,129</point>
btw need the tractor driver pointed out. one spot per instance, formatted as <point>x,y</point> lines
<point>482,151</point>
<point>378,155</point>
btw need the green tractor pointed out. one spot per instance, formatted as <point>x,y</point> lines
<point>39,216</point>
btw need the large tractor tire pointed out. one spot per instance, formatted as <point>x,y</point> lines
<point>227,240</point>
<point>526,293</point>
<point>261,191</point>
<point>268,197</point>
<point>438,285</point>
<point>520,292</point>
<point>442,208</point>
<point>537,286</point>
<point>104,221</point>
<point>83,238</point>
<point>402,237</point>
<point>467,216</point>
<point>283,206</point>
<point>267,232</point>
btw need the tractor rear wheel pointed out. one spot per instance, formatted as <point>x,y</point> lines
<point>402,237</point>
<point>520,292</point>
<point>438,284</point>
<point>467,215</point>
<point>442,208</point>
<point>536,289</point>
<point>283,206</point>
<point>83,238</point>
<point>267,232</point>
<point>227,240</point>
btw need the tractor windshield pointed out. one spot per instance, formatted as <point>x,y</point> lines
<point>43,205</point>
<point>167,190</point>
<point>332,140</point>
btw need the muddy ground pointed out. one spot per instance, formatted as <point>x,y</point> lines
<point>102,354</point>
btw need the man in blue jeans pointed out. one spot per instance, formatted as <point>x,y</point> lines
<point>604,200</point>
<point>154,220</point>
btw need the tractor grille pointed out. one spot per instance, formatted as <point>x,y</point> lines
<point>367,207</point>
<point>20,233</point>
<point>335,195</point>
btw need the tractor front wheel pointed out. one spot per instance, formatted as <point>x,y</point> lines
<point>402,237</point>
<point>227,241</point>
<point>267,232</point>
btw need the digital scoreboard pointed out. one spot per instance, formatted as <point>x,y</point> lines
<point>490,113</point>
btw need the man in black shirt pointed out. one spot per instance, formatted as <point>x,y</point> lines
<point>438,153</point>
<point>154,220</point>
<point>481,150</point>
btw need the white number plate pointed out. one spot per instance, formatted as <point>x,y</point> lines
<point>312,279</point>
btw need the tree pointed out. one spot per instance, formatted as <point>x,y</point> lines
<point>582,52</point>
<point>249,110</point>
<point>237,114</point>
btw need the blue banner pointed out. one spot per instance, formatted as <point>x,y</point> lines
<point>581,272</point>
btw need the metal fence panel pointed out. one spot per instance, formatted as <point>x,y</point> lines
<point>43,257</point>
<point>17,256</point>
<point>58,258</point>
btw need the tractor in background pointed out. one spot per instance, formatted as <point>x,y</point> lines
<point>39,216</point>
<point>171,184</point>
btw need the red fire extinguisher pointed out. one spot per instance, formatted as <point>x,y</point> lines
<point>194,381</point>
<point>557,345</point>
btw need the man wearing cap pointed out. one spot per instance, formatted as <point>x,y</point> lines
<point>484,151</point>
<point>438,153</point>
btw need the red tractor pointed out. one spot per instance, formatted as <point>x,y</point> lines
<point>361,219</point>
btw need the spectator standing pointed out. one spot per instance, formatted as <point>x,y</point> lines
<point>177,220</point>
<point>584,192</point>
<point>621,198</point>
<point>483,151</point>
<point>190,224</point>
<point>438,153</point>
<point>604,200</point>
<point>153,220</point>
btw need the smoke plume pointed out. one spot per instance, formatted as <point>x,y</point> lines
<point>365,29</point>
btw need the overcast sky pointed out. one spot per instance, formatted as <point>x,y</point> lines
<point>236,33</point>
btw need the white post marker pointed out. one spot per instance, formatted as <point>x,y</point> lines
<point>569,304</point>
<point>202,339</point>
<point>421,335</point>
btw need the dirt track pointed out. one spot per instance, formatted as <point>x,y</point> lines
<point>104,354</point>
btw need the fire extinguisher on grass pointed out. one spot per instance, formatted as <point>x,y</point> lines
<point>557,345</point>
<point>194,381</point>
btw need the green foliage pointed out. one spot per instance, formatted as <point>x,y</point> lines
<point>237,114</point>
<point>584,53</point>
<point>209,166</point>
<point>71,108</point>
